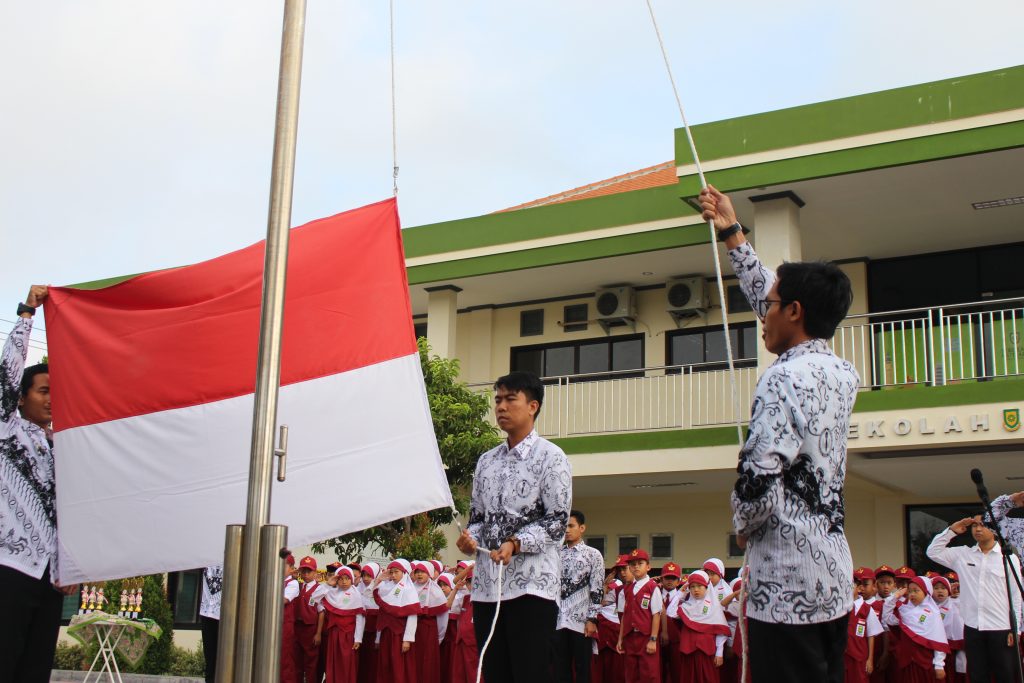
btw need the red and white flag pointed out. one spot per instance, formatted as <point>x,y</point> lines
<point>153,382</point>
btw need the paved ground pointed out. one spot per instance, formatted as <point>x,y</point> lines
<point>127,678</point>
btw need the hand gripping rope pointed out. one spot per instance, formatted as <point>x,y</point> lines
<point>725,318</point>
<point>497,606</point>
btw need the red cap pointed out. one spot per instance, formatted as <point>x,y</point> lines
<point>307,563</point>
<point>952,576</point>
<point>639,554</point>
<point>884,569</point>
<point>923,583</point>
<point>905,572</point>
<point>864,574</point>
<point>671,569</point>
<point>333,567</point>
<point>622,561</point>
<point>939,578</point>
<point>290,560</point>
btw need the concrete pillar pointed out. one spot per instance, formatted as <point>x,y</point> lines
<point>476,367</point>
<point>442,312</point>
<point>776,236</point>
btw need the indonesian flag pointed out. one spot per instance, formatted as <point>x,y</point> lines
<point>153,384</point>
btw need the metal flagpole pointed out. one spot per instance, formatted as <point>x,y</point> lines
<point>268,369</point>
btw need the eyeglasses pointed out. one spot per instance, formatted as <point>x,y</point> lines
<point>764,304</point>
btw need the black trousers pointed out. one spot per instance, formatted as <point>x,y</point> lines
<point>570,654</point>
<point>211,628</point>
<point>521,649</point>
<point>29,628</point>
<point>988,657</point>
<point>797,654</point>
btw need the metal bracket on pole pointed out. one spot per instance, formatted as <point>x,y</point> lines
<point>281,452</point>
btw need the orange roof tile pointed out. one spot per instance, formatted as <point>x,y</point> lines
<point>652,176</point>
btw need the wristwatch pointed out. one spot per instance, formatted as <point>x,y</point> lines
<point>730,231</point>
<point>25,308</point>
<point>653,639</point>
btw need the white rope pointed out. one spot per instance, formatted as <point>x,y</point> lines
<point>394,119</point>
<point>725,318</point>
<point>494,624</point>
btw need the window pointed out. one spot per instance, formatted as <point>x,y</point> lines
<point>587,356</point>
<point>707,346</point>
<point>420,328</point>
<point>735,300</point>
<point>734,546</point>
<point>924,522</point>
<point>71,605</point>
<point>531,323</point>
<point>574,318</point>
<point>628,544</point>
<point>596,542</point>
<point>184,590</point>
<point>661,546</point>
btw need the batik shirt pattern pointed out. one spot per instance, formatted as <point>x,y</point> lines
<point>213,588</point>
<point>582,586</point>
<point>524,492</point>
<point>788,499</point>
<point>28,507</point>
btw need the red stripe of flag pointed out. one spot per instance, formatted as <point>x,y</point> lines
<point>189,336</point>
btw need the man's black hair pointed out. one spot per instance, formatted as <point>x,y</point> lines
<point>578,516</point>
<point>28,378</point>
<point>822,289</point>
<point>526,382</point>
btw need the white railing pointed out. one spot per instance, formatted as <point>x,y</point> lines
<point>935,346</point>
<point>665,397</point>
<point>927,346</point>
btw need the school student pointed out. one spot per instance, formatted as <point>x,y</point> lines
<point>956,663</point>
<point>704,632</point>
<point>465,655</point>
<point>345,623</point>
<point>715,569</point>
<point>396,624</point>
<point>446,582</point>
<point>885,585</point>
<point>862,630</point>
<point>640,608</point>
<point>670,624</point>
<point>368,650</point>
<point>610,666</point>
<point>730,671</point>
<point>918,636</point>
<point>431,623</point>
<point>289,672</point>
<point>309,622</point>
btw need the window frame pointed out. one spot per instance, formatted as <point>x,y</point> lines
<point>739,361</point>
<point>173,584</point>
<point>618,545</point>
<point>522,322</point>
<point>575,345</point>
<point>671,545</point>
<point>587,538</point>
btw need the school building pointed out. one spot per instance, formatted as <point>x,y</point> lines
<point>608,292</point>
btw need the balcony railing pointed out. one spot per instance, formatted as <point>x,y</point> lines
<point>927,346</point>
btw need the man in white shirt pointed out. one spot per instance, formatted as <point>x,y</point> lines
<point>988,641</point>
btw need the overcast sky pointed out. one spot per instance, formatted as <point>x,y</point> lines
<point>137,135</point>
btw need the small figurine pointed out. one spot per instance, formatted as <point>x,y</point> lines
<point>101,600</point>
<point>138,604</point>
<point>85,599</point>
<point>92,599</point>
<point>124,603</point>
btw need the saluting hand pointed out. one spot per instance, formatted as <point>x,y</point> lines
<point>1017,499</point>
<point>962,526</point>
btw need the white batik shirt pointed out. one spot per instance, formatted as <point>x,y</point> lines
<point>788,499</point>
<point>28,506</point>
<point>524,492</point>
<point>213,587</point>
<point>582,586</point>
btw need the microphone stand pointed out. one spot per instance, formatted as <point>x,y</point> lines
<point>1008,570</point>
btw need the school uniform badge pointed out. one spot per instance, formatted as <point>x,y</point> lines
<point>861,628</point>
<point>645,603</point>
<point>1011,419</point>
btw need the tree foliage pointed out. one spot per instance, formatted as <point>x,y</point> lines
<point>463,434</point>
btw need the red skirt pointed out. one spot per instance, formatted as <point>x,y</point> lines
<point>341,661</point>
<point>393,665</point>
<point>368,650</point>
<point>698,667</point>
<point>427,651</point>
<point>447,648</point>
<point>853,671</point>
<point>465,660</point>
<point>289,672</point>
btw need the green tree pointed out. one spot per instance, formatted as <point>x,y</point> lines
<point>463,433</point>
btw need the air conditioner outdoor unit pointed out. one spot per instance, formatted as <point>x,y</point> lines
<point>687,296</point>
<point>615,306</point>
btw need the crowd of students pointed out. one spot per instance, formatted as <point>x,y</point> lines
<point>412,622</point>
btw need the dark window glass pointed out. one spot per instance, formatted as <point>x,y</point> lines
<point>627,354</point>
<point>560,360</point>
<point>531,323</point>
<point>530,360</point>
<point>596,542</point>
<point>749,338</point>
<point>575,317</point>
<point>687,349</point>
<point>661,546</point>
<point>714,345</point>
<point>735,301</point>
<point>420,329</point>
<point>693,347</point>
<point>628,544</point>
<point>924,522</point>
<point>593,357</point>
<point>71,605</point>
<point>734,547</point>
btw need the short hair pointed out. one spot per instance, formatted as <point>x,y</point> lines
<point>822,289</point>
<point>28,378</point>
<point>578,516</point>
<point>526,382</point>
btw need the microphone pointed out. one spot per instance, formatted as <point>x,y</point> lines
<point>979,482</point>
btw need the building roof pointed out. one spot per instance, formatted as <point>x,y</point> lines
<point>658,175</point>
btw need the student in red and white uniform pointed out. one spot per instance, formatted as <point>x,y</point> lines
<point>446,582</point>
<point>368,650</point>
<point>465,655</point>
<point>342,605</point>
<point>885,585</point>
<point>917,633</point>
<point>610,665</point>
<point>640,608</point>
<point>730,671</point>
<point>321,662</point>
<point>431,623</point>
<point>309,622</point>
<point>396,624</point>
<point>670,624</point>
<point>715,569</point>
<point>903,576</point>
<point>705,630</point>
<point>289,672</point>
<point>863,628</point>
<point>956,663</point>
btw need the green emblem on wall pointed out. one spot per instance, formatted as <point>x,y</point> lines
<point>1011,419</point>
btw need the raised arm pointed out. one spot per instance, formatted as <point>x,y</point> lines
<point>1012,527</point>
<point>13,361</point>
<point>755,279</point>
<point>939,550</point>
